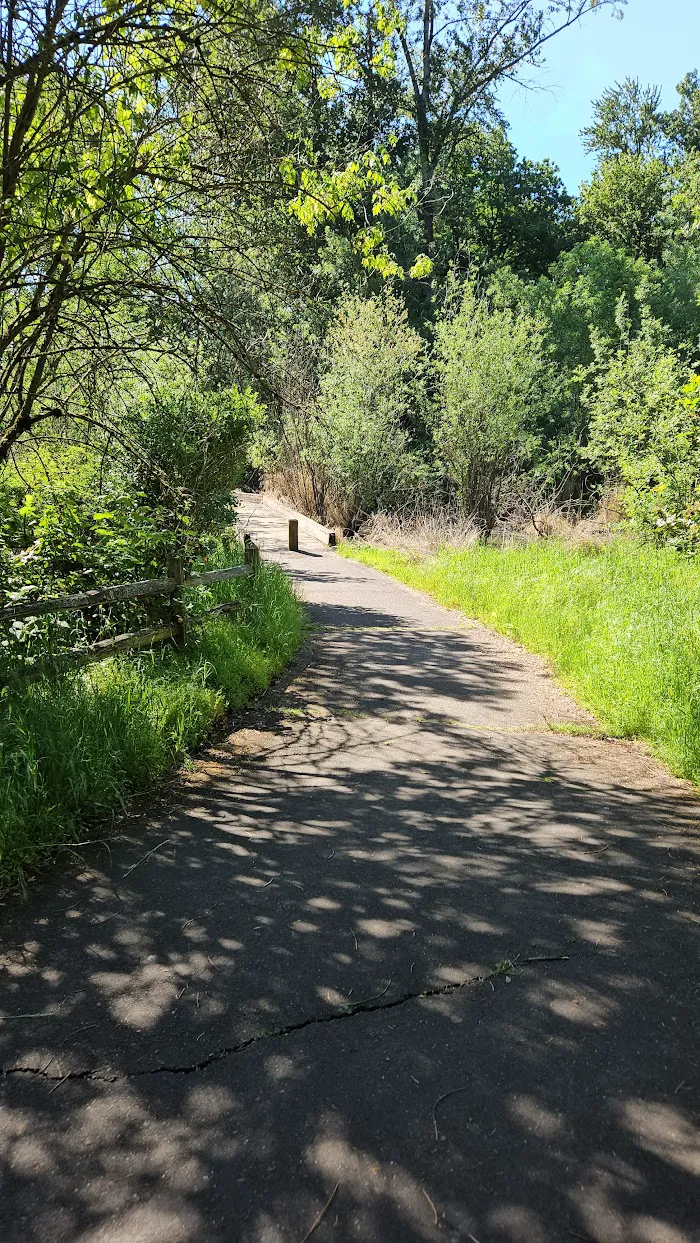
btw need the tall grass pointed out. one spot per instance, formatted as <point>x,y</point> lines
<point>73,748</point>
<point>620,623</point>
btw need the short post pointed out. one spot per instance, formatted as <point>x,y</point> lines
<point>178,611</point>
<point>251,554</point>
<point>293,534</point>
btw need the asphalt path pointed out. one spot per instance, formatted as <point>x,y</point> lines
<point>407,957</point>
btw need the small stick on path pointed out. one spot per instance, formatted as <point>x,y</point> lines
<point>440,1099</point>
<point>435,1212</point>
<point>377,995</point>
<point>44,1014</point>
<point>543,958</point>
<point>147,856</point>
<point>57,1085</point>
<point>75,1033</point>
<point>322,1214</point>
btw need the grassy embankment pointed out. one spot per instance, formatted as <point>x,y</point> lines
<point>74,748</point>
<point>620,624</point>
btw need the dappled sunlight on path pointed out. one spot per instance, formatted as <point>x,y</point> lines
<point>395,936</point>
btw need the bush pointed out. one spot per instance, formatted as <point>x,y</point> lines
<point>76,518</point>
<point>72,749</point>
<point>645,433</point>
<point>61,535</point>
<point>194,449</point>
<point>62,539</point>
<point>497,381</point>
<point>371,396</point>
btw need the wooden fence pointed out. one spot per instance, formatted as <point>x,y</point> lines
<point>172,586</point>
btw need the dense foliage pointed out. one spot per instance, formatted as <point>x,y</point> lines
<point>72,749</point>
<point>297,240</point>
<point>293,244</point>
<point>559,335</point>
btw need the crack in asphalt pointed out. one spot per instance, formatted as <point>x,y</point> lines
<point>344,1012</point>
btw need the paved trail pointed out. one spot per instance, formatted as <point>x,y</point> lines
<point>280,1023</point>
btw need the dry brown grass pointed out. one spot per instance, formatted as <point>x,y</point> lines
<point>571,528</point>
<point>420,534</point>
<point>308,491</point>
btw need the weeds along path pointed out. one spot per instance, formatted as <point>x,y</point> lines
<point>401,962</point>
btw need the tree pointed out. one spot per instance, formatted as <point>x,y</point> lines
<point>406,167</point>
<point>682,125</point>
<point>496,384</point>
<point>452,57</point>
<point>130,128</point>
<point>627,122</point>
<point>501,209</point>
<point>623,203</point>
<point>683,215</point>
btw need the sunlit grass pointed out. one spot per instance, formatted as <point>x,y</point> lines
<point>73,749</point>
<point>619,623</point>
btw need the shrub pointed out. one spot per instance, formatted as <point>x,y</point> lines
<point>371,395</point>
<point>194,445</point>
<point>76,518</point>
<point>496,380</point>
<point>645,433</point>
<point>73,748</point>
<point>62,537</point>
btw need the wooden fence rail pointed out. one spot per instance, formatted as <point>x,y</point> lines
<point>113,595</point>
<point>172,586</point>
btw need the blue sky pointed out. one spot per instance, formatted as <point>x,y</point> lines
<point>657,41</point>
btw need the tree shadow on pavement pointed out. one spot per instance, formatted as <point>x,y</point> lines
<point>378,945</point>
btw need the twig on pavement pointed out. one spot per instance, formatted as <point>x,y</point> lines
<point>544,958</point>
<point>147,856</point>
<point>435,1212</point>
<point>376,995</point>
<point>57,1085</point>
<point>440,1099</point>
<point>322,1214</point>
<point>75,1033</point>
<point>44,1014</point>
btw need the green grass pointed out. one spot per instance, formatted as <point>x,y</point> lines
<point>73,749</point>
<point>620,624</point>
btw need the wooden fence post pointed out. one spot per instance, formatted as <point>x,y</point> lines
<point>173,587</point>
<point>251,554</point>
<point>178,611</point>
<point>293,534</point>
